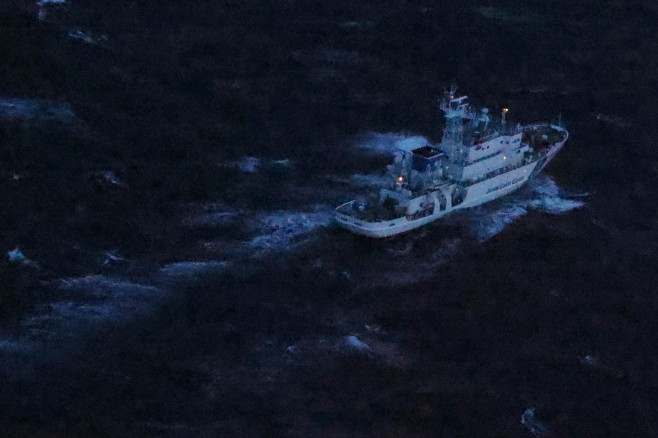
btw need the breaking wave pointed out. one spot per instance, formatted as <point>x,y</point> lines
<point>282,230</point>
<point>85,301</point>
<point>541,194</point>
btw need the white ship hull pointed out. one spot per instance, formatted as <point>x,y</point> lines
<point>381,229</point>
<point>478,194</point>
<point>498,186</point>
<point>434,203</point>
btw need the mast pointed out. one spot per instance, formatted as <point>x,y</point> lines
<point>456,110</point>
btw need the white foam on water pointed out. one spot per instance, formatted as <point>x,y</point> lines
<point>614,120</point>
<point>407,266</point>
<point>254,164</point>
<point>94,297</point>
<point>88,37</point>
<point>14,346</point>
<point>63,318</point>
<point>249,164</point>
<point>17,108</point>
<point>189,269</point>
<point>534,426</point>
<point>110,257</point>
<point>69,312</point>
<point>284,162</point>
<point>42,6</point>
<point>486,224</point>
<point>77,305</point>
<point>16,255</point>
<point>508,16</point>
<point>100,286</point>
<point>280,230</point>
<point>353,343</point>
<point>356,24</point>
<point>544,195</point>
<point>209,215</point>
<point>211,219</point>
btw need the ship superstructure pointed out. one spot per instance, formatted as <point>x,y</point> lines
<point>477,161</point>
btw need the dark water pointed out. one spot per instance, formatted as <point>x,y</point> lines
<point>169,172</point>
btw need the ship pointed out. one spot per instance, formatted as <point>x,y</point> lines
<point>478,160</point>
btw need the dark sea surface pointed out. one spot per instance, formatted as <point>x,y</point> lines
<point>168,172</point>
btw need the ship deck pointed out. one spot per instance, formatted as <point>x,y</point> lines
<point>542,136</point>
<point>372,211</point>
